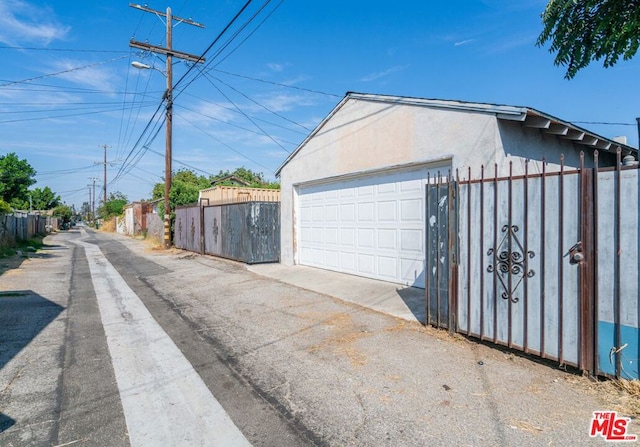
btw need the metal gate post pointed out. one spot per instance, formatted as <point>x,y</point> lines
<point>588,283</point>
<point>453,254</point>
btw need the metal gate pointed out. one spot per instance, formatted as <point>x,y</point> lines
<point>188,228</point>
<point>545,263</point>
<point>440,253</point>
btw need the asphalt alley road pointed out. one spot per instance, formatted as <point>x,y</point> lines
<point>106,342</point>
<point>112,376</point>
<point>165,401</point>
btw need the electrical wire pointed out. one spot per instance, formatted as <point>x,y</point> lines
<point>265,133</point>
<point>252,32</point>
<point>63,72</point>
<point>39,118</point>
<point>604,123</point>
<point>332,95</point>
<point>66,50</point>
<point>229,147</point>
<point>217,38</point>
<point>233,110</point>
<point>226,123</point>
<point>262,105</point>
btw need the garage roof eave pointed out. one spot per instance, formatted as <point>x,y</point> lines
<point>563,129</point>
<point>527,116</point>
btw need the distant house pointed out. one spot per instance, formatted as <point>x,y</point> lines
<point>230,180</point>
<point>218,195</point>
<point>135,218</point>
<point>353,192</point>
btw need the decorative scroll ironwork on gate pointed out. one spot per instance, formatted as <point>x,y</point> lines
<point>509,262</point>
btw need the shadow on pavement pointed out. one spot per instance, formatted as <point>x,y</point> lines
<point>23,315</point>
<point>15,261</point>
<point>414,299</point>
<point>6,422</point>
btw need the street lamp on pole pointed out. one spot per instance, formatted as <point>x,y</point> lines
<point>169,137</point>
<point>170,53</point>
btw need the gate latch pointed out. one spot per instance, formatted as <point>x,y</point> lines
<point>575,253</point>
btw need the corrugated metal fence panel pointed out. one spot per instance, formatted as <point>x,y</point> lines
<point>187,228</point>
<point>180,229</point>
<point>263,224</point>
<point>213,230</point>
<point>247,232</point>
<point>516,286</point>
<point>235,242</point>
<point>193,231</point>
<point>618,276</point>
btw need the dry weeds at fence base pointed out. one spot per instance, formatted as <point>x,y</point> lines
<point>624,395</point>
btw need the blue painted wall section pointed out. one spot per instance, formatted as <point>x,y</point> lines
<point>629,355</point>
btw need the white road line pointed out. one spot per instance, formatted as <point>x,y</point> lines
<point>165,401</point>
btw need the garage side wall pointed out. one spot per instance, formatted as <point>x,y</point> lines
<point>366,136</point>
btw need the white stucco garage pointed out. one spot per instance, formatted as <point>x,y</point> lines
<point>371,225</point>
<point>353,192</point>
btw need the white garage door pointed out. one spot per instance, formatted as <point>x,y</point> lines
<point>370,226</point>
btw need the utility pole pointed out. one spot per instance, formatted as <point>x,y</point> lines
<point>169,52</point>
<point>104,146</point>
<point>93,202</point>
<point>89,211</point>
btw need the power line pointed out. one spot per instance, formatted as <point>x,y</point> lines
<point>70,50</point>
<point>263,106</point>
<point>64,109</point>
<point>226,123</point>
<point>180,162</point>
<point>218,37</point>
<point>62,72</point>
<point>266,134</point>
<point>61,116</point>
<point>252,32</point>
<point>234,110</point>
<point>604,123</point>
<point>333,95</point>
<point>228,146</point>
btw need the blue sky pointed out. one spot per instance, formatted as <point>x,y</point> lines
<point>67,86</point>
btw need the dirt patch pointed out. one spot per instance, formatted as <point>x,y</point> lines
<point>344,334</point>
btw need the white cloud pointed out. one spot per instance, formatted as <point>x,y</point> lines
<point>83,73</point>
<point>281,102</point>
<point>463,42</point>
<point>21,22</point>
<point>382,74</point>
<point>275,67</point>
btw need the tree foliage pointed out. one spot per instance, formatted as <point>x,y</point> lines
<point>4,207</point>
<point>63,212</point>
<point>44,199</point>
<point>15,178</point>
<point>186,184</point>
<point>38,199</point>
<point>582,31</point>
<point>254,179</point>
<point>114,206</point>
